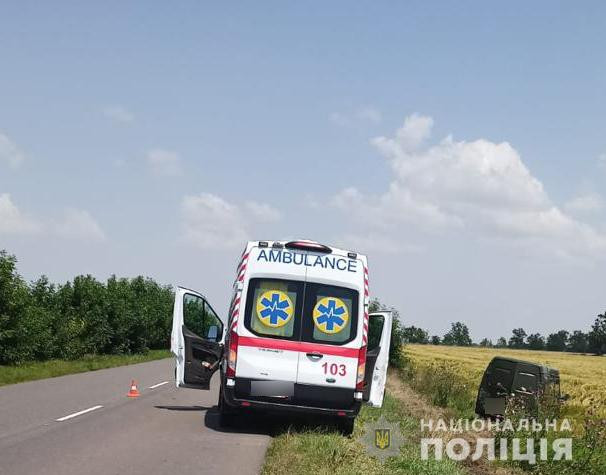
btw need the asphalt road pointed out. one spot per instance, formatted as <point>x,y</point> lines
<point>165,430</point>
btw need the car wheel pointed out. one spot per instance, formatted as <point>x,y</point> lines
<point>226,415</point>
<point>346,425</point>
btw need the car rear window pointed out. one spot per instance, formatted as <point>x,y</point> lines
<point>526,382</point>
<point>273,308</point>
<point>501,376</point>
<point>330,314</point>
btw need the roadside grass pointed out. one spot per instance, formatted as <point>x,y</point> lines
<point>326,451</point>
<point>441,384</point>
<point>54,368</point>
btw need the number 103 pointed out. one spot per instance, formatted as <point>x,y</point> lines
<point>335,369</point>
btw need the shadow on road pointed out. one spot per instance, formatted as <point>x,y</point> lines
<point>183,408</point>
<point>267,424</point>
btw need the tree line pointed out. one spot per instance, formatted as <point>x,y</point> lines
<point>592,341</point>
<point>41,320</point>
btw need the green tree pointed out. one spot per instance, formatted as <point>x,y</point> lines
<point>597,336</point>
<point>18,324</point>
<point>578,342</point>
<point>414,334</point>
<point>41,321</point>
<point>557,341</point>
<point>89,302</point>
<point>41,311</point>
<point>501,342</point>
<point>535,342</point>
<point>396,354</point>
<point>486,343</point>
<point>435,340</point>
<point>458,335</point>
<point>68,325</point>
<point>517,338</point>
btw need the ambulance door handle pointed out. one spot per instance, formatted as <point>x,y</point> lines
<point>316,356</point>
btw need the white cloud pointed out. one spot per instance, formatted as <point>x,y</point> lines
<point>369,114</point>
<point>415,130</point>
<point>12,220</point>
<point>73,224</point>
<point>210,222</point>
<point>347,197</point>
<point>358,116</point>
<point>588,203</point>
<point>262,211</point>
<point>339,119</point>
<point>164,162</point>
<point>9,152</point>
<point>118,113</point>
<point>78,224</point>
<point>375,242</point>
<point>480,186</point>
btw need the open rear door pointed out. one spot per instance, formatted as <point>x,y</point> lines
<point>377,357</point>
<point>196,339</point>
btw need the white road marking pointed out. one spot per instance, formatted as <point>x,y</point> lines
<point>158,385</point>
<point>76,414</point>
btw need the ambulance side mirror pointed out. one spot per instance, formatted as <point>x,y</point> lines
<point>213,333</point>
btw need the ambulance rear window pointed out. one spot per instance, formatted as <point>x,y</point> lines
<point>273,307</point>
<point>330,314</point>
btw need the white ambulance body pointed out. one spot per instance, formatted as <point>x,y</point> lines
<point>299,336</point>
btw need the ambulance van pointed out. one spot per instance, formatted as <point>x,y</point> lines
<point>299,337</point>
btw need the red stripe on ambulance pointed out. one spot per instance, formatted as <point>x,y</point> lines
<point>366,294</point>
<point>242,267</point>
<point>301,346</point>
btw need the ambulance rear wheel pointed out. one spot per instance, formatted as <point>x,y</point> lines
<point>226,416</point>
<point>346,425</point>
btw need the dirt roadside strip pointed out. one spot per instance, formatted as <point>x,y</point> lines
<point>417,407</point>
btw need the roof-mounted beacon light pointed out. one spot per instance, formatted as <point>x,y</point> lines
<point>308,246</point>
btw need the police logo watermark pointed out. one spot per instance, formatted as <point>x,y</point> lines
<point>382,439</point>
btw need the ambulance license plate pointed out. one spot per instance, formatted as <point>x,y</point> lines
<point>272,388</point>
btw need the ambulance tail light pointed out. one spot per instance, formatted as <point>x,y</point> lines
<point>232,355</point>
<point>361,369</point>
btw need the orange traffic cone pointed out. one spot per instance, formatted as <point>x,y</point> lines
<point>134,392</point>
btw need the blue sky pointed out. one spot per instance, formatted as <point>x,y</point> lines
<point>155,138</point>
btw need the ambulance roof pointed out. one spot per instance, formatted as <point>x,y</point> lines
<point>307,245</point>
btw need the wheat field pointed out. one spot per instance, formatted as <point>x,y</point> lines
<point>583,377</point>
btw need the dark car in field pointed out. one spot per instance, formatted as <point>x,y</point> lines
<point>507,377</point>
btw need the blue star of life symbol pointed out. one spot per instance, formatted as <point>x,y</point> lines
<point>274,309</point>
<point>331,315</point>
